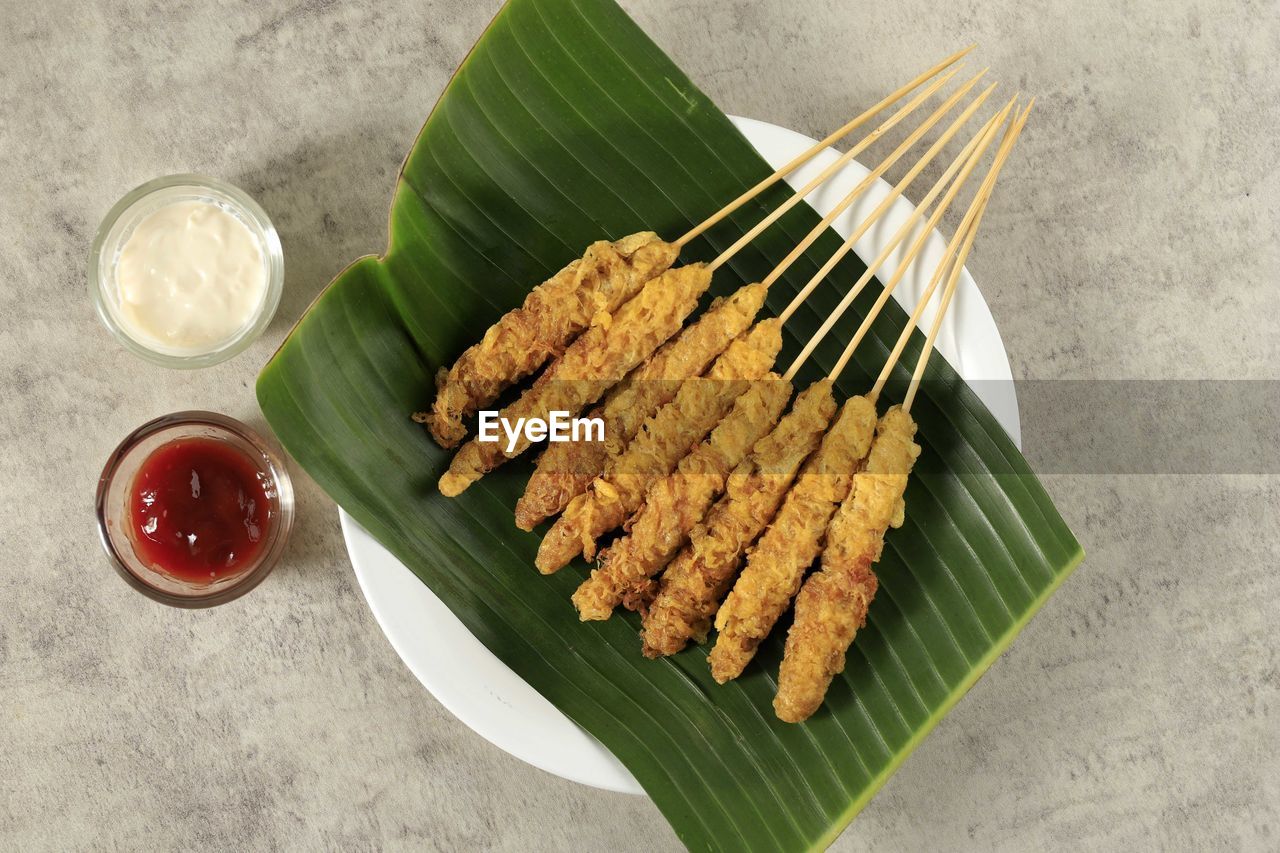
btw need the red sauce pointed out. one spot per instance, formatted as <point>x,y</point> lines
<point>198,510</point>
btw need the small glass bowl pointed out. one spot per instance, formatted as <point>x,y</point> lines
<point>115,486</point>
<point>129,211</point>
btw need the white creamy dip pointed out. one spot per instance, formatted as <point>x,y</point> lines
<point>190,276</point>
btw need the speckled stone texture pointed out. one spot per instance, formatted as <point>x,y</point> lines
<point>1134,235</point>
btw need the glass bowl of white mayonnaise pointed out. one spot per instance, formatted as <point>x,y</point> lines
<point>186,270</point>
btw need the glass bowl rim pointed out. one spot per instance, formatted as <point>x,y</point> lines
<point>269,558</point>
<point>275,270</point>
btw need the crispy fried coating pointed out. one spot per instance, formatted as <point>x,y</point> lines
<point>778,561</point>
<point>566,468</point>
<point>832,605</point>
<point>592,364</point>
<point>664,439</point>
<point>830,609</point>
<point>553,314</point>
<point>675,503</point>
<point>697,579</point>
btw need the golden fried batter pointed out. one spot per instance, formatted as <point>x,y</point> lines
<point>665,439</point>
<point>778,561</point>
<point>830,609</point>
<point>832,606</point>
<point>553,314</point>
<point>565,469</point>
<point>697,579</point>
<point>674,504</point>
<point>591,365</point>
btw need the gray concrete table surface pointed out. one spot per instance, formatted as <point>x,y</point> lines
<point>1134,236</point>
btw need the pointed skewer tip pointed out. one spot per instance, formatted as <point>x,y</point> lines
<point>957,56</point>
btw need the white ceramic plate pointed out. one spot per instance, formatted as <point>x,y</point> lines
<point>496,703</point>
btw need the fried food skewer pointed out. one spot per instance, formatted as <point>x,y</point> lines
<point>665,438</point>
<point>565,469</point>
<point>615,344</point>
<point>790,542</point>
<point>832,605</point>
<point>776,565</point>
<point>604,506</point>
<point>590,366</point>
<point>557,311</point>
<point>678,501</point>
<point>553,314</point>
<point>700,403</point>
<point>696,580</point>
<point>694,583</point>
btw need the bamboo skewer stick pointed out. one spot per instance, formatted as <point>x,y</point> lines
<point>792,539</point>
<point>893,157</point>
<point>795,537</point>
<point>884,205</point>
<point>948,267</point>
<point>830,170</point>
<point>832,604</point>
<point>965,163</point>
<point>949,291</point>
<point>987,137</point>
<point>957,248</point>
<point>678,502</point>
<point>817,148</point>
<point>945,266</point>
<point>814,233</point>
<point>1002,153</point>
<point>963,157</point>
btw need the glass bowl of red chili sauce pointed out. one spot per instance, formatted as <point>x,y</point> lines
<point>194,509</point>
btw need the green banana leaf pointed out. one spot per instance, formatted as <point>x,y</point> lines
<point>566,124</point>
